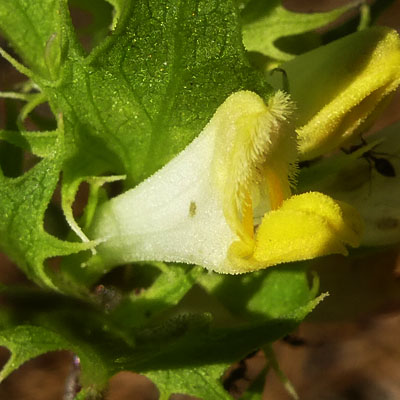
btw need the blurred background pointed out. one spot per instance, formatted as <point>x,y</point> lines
<point>356,357</point>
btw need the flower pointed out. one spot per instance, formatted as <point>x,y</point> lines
<point>225,201</point>
<point>340,88</point>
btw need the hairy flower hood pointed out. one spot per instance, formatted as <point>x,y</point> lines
<point>225,201</point>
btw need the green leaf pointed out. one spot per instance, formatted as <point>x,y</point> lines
<point>119,7</point>
<point>167,291</point>
<point>40,144</point>
<point>23,202</point>
<point>268,294</point>
<point>189,341</point>
<point>38,322</point>
<point>35,31</point>
<point>266,22</point>
<point>26,342</point>
<point>202,382</point>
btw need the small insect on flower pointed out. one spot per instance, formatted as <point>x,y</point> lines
<point>378,161</point>
<point>382,165</point>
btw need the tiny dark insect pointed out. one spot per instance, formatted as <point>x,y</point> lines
<point>383,166</point>
<point>375,160</point>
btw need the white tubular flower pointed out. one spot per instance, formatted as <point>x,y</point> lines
<point>225,201</point>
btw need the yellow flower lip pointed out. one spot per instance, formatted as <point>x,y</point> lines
<point>340,88</point>
<point>224,202</point>
<point>307,226</point>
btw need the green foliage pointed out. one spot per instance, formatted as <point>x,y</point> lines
<point>38,322</point>
<point>203,382</point>
<point>23,203</point>
<point>266,22</point>
<point>41,144</point>
<point>267,294</point>
<point>168,350</point>
<point>26,342</point>
<point>35,31</point>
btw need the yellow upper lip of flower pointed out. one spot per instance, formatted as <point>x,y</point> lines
<point>253,153</point>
